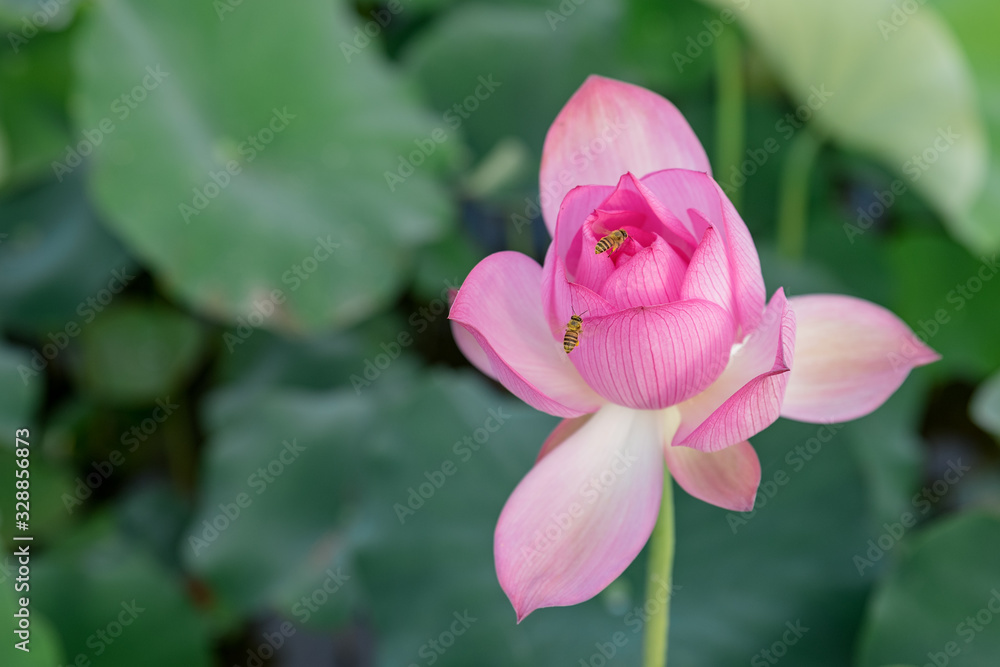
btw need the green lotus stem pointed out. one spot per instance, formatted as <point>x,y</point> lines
<point>659,576</point>
<point>729,121</point>
<point>793,205</point>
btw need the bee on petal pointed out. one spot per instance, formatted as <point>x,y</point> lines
<point>612,241</point>
<point>572,337</point>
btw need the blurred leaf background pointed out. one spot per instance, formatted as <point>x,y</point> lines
<point>228,230</point>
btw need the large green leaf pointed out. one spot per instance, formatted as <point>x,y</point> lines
<point>940,603</point>
<point>239,169</point>
<point>58,267</point>
<point>950,299</point>
<point>34,80</point>
<point>111,602</point>
<point>895,88</point>
<point>973,22</point>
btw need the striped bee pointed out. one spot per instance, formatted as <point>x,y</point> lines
<point>572,337</point>
<point>612,241</point>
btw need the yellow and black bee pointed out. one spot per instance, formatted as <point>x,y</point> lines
<point>572,337</point>
<point>612,241</point>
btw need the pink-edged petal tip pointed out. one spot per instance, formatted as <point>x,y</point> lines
<point>500,306</point>
<point>583,513</point>
<point>850,356</point>
<point>609,128</point>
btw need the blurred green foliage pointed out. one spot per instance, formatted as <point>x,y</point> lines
<point>228,233</point>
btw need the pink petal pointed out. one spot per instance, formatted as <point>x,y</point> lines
<point>727,478</point>
<point>562,299</point>
<point>609,128</point>
<point>748,395</point>
<point>649,278</point>
<point>708,275</point>
<point>576,207</point>
<point>566,428</point>
<point>850,356</point>
<point>583,513</point>
<point>500,304</point>
<point>472,350</point>
<point>650,358</point>
<point>698,201</point>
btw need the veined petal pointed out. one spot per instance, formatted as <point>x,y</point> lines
<point>583,513</point>
<point>649,358</point>
<point>698,201</point>
<point>562,299</point>
<point>566,428</point>
<point>472,350</point>
<point>850,356</point>
<point>708,274</point>
<point>609,128</point>
<point>727,478</point>
<point>500,304</point>
<point>748,395</point>
<point>651,277</point>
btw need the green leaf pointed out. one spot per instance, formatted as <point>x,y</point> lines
<point>253,184</point>
<point>953,306</point>
<point>926,611</point>
<point>135,353</point>
<point>54,257</point>
<point>20,388</point>
<point>34,80</point>
<point>973,21</point>
<point>110,601</point>
<point>29,17</point>
<point>509,44</point>
<point>745,576</point>
<point>985,406</point>
<point>889,87</point>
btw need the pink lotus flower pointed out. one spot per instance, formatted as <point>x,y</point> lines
<point>679,357</point>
